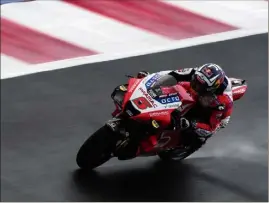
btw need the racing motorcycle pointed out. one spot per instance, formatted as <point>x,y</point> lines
<point>143,110</point>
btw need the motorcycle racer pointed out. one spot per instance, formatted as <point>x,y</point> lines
<point>169,113</point>
<point>210,86</point>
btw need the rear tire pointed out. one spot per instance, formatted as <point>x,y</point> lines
<point>174,155</point>
<point>97,149</point>
<point>192,144</point>
<point>171,155</point>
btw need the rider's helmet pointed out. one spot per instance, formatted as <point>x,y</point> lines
<point>207,79</point>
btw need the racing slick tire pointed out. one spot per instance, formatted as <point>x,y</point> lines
<point>97,149</point>
<point>173,155</point>
<point>192,144</point>
<point>179,154</point>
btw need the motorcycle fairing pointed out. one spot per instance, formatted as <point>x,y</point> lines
<point>141,90</point>
<point>157,108</point>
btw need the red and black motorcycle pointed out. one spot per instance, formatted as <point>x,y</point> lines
<point>143,109</point>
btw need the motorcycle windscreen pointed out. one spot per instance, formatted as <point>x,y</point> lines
<point>165,81</point>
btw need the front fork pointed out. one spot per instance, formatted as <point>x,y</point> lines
<point>123,139</point>
<point>119,126</point>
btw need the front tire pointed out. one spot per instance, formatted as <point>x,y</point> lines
<point>97,149</point>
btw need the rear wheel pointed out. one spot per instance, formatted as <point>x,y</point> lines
<point>181,153</point>
<point>176,154</point>
<point>97,149</point>
<point>191,144</point>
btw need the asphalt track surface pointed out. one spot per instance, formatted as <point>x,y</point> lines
<point>45,117</point>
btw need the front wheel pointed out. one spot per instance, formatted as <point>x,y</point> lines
<point>97,149</point>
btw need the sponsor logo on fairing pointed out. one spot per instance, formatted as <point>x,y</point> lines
<point>162,96</point>
<point>170,100</point>
<point>172,94</point>
<point>152,80</point>
<point>172,106</point>
<point>149,98</point>
<point>163,140</point>
<point>152,93</point>
<point>129,113</point>
<point>134,85</point>
<point>239,90</point>
<point>162,113</point>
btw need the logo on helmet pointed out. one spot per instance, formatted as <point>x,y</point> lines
<point>207,72</point>
<point>217,84</point>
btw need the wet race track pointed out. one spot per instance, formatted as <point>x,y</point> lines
<point>45,117</point>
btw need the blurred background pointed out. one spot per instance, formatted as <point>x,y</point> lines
<point>44,31</point>
<point>45,117</point>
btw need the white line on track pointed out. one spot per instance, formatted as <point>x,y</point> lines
<point>108,57</point>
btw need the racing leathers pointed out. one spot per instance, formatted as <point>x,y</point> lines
<point>210,113</point>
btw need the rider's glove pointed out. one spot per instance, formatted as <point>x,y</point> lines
<point>142,74</point>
